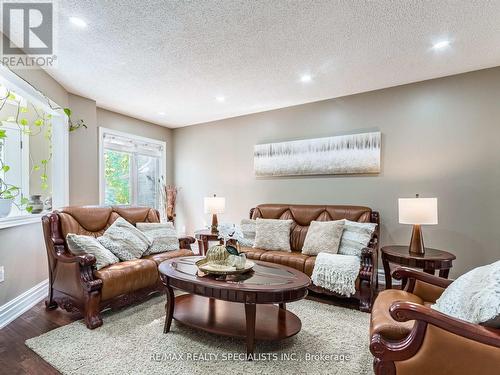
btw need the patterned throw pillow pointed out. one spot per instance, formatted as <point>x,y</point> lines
<point>356,237</point>
<point>323,236</point>
<point>248,229</point>
<point>474,296</point>
<point>163,237</point>
<point>271,234</point>
<point>124,240</point>
<point>90,245</point>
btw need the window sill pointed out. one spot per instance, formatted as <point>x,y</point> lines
<point>14,221</point>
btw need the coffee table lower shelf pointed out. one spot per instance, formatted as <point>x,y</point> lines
<point>229,318</point>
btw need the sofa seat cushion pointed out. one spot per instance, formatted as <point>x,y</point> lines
<point>381,319</point>
<point>160,257</point>
<point>252,252</point>
<point>293,259</point>
<point>128,276</point>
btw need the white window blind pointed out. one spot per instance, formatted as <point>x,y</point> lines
<point>129,144</point>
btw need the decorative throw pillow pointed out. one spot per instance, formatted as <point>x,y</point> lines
<point>323,236</point>
<point>248,229</point>
<point>356,237</point>
<point>103,256</point>
<point>124,240</point>
<point>271,234</point>
<point>163,237</point>
<point>474,296</point>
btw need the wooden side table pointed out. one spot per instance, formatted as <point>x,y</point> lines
<point>431,261</point>
<point>205,235</point>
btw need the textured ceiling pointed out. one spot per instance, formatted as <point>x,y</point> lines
<point>145,57</point>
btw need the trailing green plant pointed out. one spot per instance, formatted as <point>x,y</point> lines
<point>74,125</point>
<point>42,125</point>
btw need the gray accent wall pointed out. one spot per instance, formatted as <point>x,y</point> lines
<point>440,138</point>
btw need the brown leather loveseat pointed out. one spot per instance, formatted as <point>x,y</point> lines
<point>302,215</point>
<point>75,285</point>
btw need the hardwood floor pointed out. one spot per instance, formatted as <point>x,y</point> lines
<point>16,358</point>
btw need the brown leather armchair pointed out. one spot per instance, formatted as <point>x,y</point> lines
<point>410,338</point>
<point>75,284</point>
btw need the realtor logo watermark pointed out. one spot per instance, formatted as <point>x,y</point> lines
<point>28,34</point>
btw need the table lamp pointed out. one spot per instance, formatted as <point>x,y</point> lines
<point>418,211</point>
<point>214,205</point>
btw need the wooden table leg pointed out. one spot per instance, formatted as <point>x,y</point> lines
<point>169,309</point>
<point>444,273</point>
<point>250,320</point>
<point>283,306</point>
<point>205,245</point>
<point>429,270</point>
<point>387,273</point>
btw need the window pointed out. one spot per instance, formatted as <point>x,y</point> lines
<point>33,150</point>
<point>130,169</point>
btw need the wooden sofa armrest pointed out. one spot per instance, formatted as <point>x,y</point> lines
<point>185,242</point>
<point>407,274</point>
<point>369,260</point>
<point>405,311</point>
<point>56,244</point>
<point>84,259</point>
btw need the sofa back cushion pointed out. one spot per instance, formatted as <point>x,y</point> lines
<point>94,220</point>
<point>302,215</point>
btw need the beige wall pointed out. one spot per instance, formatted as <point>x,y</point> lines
<point>83,155</point>
<point>441,138</point>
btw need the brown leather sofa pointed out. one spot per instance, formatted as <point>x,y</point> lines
<point>302,215</point>
<point>409,338</point>
<point>75,285</point>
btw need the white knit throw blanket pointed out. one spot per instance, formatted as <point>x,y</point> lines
<point>336,272</point>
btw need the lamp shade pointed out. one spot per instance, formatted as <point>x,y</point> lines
<point>418,211</point>
<point>214,205</point>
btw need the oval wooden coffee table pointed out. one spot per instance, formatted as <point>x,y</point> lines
<point>238,306</point>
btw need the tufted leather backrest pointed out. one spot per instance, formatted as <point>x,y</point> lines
<point>302,215</point>
<point>94,220</point>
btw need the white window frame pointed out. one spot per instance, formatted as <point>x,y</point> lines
<point>25,155</point>
<point>133,137</point>
<point>60,147</point>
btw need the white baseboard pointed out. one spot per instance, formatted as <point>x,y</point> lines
<point>19,305</point>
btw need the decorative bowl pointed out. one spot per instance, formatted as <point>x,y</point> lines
<point>221,269</point>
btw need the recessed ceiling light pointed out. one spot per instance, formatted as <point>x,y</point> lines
<point>78,22</point>
<point>162,113</point>
<point>306,78</point>
<point>442,44</point>
<point>220,99</point>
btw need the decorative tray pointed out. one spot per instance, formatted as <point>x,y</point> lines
<point>215,269</point>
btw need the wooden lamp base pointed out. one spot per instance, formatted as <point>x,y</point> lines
<point>417,241</point>
<point>215,224</point>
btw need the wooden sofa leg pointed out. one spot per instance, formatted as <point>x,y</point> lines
<point>365,296</point>
<point>50,304</point>
<point>93,317</point>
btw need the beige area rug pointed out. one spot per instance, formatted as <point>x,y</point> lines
<point>333,340</point>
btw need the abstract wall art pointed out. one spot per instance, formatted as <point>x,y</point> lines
<point>344,154</point>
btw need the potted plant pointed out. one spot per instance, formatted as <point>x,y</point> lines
<point>8,194</point>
